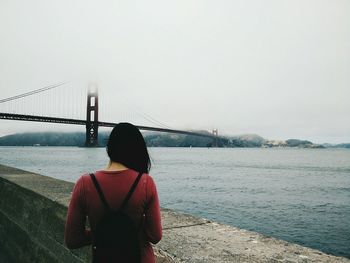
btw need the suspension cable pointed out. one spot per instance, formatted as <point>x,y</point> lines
<point>32,92</point>
<point>144,115</point>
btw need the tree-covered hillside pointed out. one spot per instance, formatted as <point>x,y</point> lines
<point>155,139</point>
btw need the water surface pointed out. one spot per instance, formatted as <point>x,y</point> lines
<point>299,195</point>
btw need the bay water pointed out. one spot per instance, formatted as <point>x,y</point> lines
<point>299,195</point>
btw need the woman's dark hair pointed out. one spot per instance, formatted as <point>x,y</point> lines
<point>127,146</point>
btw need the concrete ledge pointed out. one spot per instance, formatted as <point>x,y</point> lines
<point>33,211</point>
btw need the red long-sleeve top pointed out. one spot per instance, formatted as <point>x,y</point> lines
<point>143,208</point>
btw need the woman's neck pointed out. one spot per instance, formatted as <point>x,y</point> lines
<point>114,166</point>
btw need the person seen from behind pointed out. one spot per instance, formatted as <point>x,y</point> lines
<point>120,202</point>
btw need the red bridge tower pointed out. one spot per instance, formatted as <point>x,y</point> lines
<point>92,118</point>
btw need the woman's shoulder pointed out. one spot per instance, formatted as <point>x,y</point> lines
<point>150,184</point>
<point>147,175</point>
<point>83,180</point>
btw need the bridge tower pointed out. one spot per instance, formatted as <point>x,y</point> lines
<point>92,117</point>
<point>215,143</point>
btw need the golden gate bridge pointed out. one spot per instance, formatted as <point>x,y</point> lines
<point>91,122</point>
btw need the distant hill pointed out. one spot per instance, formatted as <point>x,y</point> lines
<point>296,143</point>
<point>246,140</point>
<point>157,139</point>
<point>47,139</point>
<point>152,139</point>
<point>78,139</point>
<point>340,145</point>
<point>43,138</point>
<point>343,145</point>
<point>176,140</point>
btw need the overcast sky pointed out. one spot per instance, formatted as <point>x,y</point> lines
<point>277,68</point>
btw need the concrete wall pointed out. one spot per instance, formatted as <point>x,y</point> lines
<point>33,211</point>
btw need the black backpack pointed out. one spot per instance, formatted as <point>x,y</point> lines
<point>115,238</point>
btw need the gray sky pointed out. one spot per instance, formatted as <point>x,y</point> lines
<point>277,68</point>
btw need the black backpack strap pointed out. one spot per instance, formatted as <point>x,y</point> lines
<point>132,189</point>
<point>100,193</point>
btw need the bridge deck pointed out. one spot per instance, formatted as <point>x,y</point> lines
<point>34,118</point>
